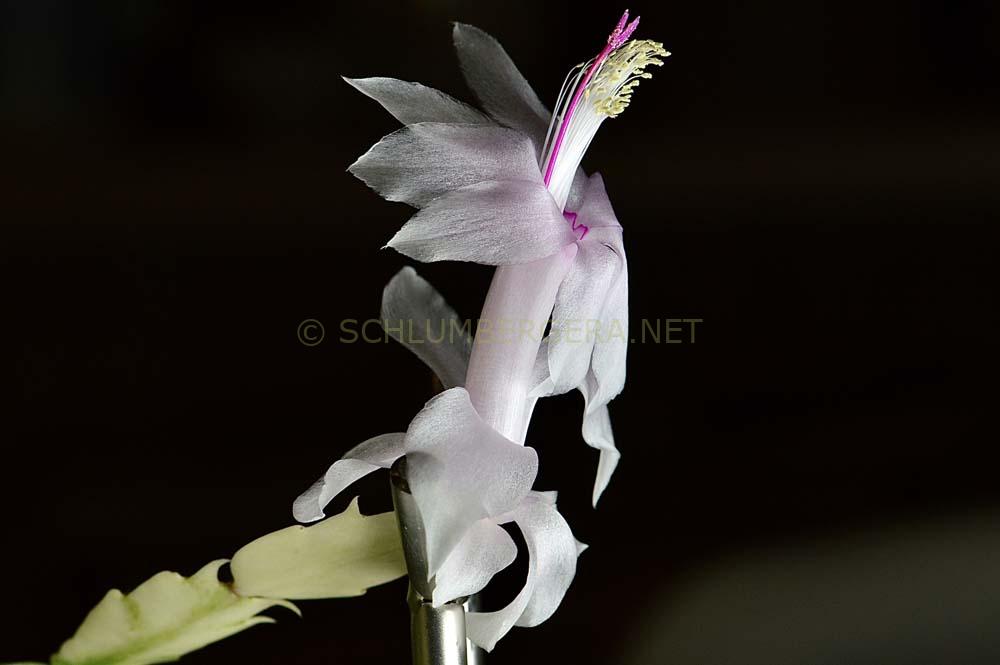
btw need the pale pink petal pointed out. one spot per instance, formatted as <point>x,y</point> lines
<point>596,291</point>
<point>484,551</point>
<point>494,222</point>
<point>598,434</point>
<point>596,429</point>
<point>548,496</point>
<point>578,321</point>
<point>591,309</point>
<point>417,316</point>
<point>375,453</point>
<point>413,102</point>
<point>460,470</point>
<point>497,83</point>
<point>514,316</point>
<point>541,379</point>
<point>610,351</point>
<point>595,208</point>
<point>552,552</point>
<point>418,163</point>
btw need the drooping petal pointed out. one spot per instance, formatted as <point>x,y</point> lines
<point>413,102</point>
<point>611,345</point>
<point>460,470</point>
<point>606,377</point>
<point>484,551</point>
<point>585,316</point>
<point>611,348</point>
<point>598,434</point>
<point>493,222</point>
<point>555,549</point>
<point>417,316</point>
<point>596,429</point>
<point>552,552</point>
<point>419,163</point>
<point>376,453</point>
<point>497,83</point>
<point>578,321</point>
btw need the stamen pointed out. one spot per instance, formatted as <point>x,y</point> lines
<point>614,38</point>
<point>612,87</point>
<point>606,82</point>
<point>564,91</point>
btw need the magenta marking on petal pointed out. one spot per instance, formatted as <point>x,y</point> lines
<point>571,218</point>
<point>618,36</point>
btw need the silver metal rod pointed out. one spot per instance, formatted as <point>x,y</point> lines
<point>437,635</point>
<point>474,654</point>
<point>411,530</point>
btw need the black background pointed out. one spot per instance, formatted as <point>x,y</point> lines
<point>817,181</point>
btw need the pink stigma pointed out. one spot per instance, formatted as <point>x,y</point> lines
<point>618,36</point>
<point>622,32</point>
<point>571,218</point>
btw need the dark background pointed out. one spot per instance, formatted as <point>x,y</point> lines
<point>817,181</point>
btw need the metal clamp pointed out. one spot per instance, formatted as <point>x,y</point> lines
<point>437,634</point>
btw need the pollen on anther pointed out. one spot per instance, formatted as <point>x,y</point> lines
<point>613,85</point>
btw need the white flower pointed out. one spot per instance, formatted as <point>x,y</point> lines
<point>467,480</point>
<point>494,189</point>
<point>502,188</point>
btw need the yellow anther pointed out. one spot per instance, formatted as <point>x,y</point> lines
<point>611,89</point>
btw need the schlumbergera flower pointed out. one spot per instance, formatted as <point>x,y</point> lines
<point>501,187</point>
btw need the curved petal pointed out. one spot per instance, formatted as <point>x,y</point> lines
<point>413,102</point>
<point>596,429</point>
<point>493,222</point>
<point>540,385</point>
<point>417,316</point>
<point>541,378</point>
<point>611,348</point>
<point>611,345</point>
<point>484,551</point>
<point>598,434</point>
<point>595,210</point>
<point>578,317</point>
<point>552,552</point>
<point>420,162</point>
<point>548,496</point>
<point>376,453</point>
<point>460,470</point>
<point>499,86</point>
